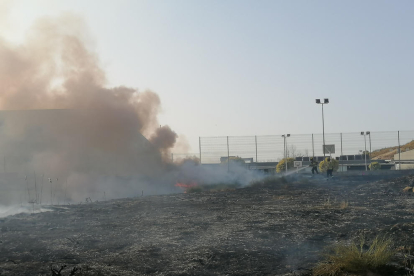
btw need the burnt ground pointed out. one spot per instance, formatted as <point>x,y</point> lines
<point>266,229</point>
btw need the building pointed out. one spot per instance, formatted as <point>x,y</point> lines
<point>404,160</point>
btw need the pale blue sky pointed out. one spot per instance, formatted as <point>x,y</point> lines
<point>255,67</point>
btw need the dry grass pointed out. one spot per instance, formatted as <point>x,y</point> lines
<point>408,189</point>
<point>354,258</point>
<point>343,205</point>
<point>327,203</point>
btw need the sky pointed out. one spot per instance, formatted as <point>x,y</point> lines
<point>251,67</point>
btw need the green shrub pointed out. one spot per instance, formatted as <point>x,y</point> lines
<point>375,166</point>
<point>323,165</point>
<point>281,166</point>
<point>353,258</point>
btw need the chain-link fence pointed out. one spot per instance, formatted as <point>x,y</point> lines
<point>271,148</point>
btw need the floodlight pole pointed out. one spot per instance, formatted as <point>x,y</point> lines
<point>369,134</point>
<point>285,150</point>
<point>323,132</point>
<point>325,101</point>
<point>286,161</point>
<point>365,152</point>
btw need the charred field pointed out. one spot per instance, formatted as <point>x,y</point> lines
<point>274,227</point>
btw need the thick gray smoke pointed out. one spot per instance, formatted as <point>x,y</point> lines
<point>59,119</point>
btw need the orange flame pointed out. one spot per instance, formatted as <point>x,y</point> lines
<point>186,186</point>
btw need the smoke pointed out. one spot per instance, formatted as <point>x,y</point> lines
<point>61,121</point>
<point>164,139</point>
<point>54,69</point>
<point>81,128</point>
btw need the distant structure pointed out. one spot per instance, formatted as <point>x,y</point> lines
<point>407,160</point>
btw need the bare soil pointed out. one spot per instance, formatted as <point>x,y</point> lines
<point>271,228</point>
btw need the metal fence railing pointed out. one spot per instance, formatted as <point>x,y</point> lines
<point>270,148</point>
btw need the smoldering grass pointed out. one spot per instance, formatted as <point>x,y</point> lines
<point>270,181</point>
<point>356,257</point>
<point>213,187</point>
<point>196,189</point>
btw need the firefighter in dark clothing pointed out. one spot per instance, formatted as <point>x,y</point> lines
<point>330,167</point>
<point>314,166</point>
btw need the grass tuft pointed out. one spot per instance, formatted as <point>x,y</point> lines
<point>355,257</point>
<point>344,205</point>
<point>408,189</point>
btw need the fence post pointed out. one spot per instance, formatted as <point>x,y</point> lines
<point>313,147</point>
<point>228,155</point>
<point>199,146</point>
<point>342,167</point>
<point>255,141</point>
<point>399,152</point>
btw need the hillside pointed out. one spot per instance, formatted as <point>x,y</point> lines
<point>388,153</point>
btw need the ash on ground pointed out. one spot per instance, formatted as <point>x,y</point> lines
<point>276,227</point>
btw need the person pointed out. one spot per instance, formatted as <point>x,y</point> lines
<point>330,167</point>
<point>314,166</point>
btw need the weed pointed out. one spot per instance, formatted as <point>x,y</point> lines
<point>327,203</point>
<point>355,257</point>
<point>343,205</point>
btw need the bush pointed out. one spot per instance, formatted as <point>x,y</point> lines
<point>354,258</point>
<point>323,166</point>
<point>281,166</point>
<point>375,166</point>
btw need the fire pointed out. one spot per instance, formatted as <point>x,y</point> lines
<point>186,186</point>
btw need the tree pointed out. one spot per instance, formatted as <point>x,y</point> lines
<point>281,166</point>
<point>323,166</point>
<point>293,152</point>
<point>374,166</point>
